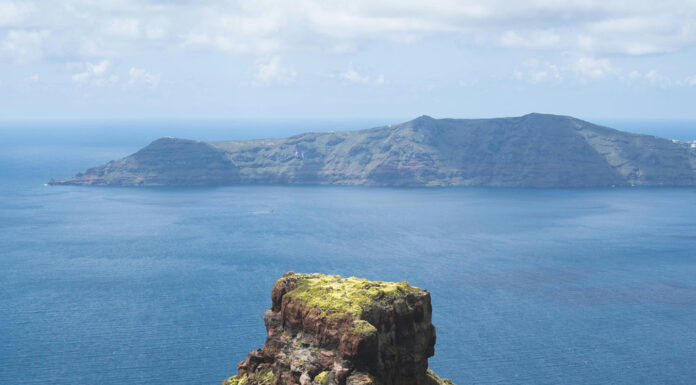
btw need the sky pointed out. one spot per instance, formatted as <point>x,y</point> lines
<point>153,59</point>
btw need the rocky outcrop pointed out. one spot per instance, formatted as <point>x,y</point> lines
<point>328,330</point>
<point>534,150</point>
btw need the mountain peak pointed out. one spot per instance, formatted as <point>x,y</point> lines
<point>424,118</point>
<point>539,115</point>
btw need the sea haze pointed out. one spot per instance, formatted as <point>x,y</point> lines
<point>168,285</point>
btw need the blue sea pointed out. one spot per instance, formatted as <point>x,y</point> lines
<point>168,285</point>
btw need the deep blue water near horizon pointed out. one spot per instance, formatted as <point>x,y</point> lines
<point>168,285</point>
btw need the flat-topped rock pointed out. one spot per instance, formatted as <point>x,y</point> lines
<point>328,330</point>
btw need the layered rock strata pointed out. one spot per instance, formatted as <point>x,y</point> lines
<point>328,330</point>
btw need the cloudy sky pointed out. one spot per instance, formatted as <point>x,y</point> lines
<point>346,59</point>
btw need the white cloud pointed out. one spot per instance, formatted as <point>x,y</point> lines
<point>590,28</point>
<point>95,74</point>
<point>11,13</point>
<point>157,28</point>
<point>534,72</point>
<point>589,67</point>
<point>578,36</point>
<point>353,76</point>
<point>470,82</point>
<point>641,33</point>
<point>656,78</point>
<point>600,27</point>
<point>273,72</point>
<point>155,32</point>
<point>34,78</point>
<point>532,39</point>
<point>252,27</point>
<point>141,76</point>
<point>23,45</point>
<point>582,69</point>
<point>691,81</point>
<point>129,27</point>
<point>99,68</point>
<point>81,78</point>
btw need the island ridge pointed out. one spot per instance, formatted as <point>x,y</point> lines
<point>534,150</point>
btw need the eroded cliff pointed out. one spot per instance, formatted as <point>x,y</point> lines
<point>328,330</point>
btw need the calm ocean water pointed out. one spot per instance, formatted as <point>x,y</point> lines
<point>168,286</point>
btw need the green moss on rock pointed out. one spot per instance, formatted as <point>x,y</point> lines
<point>264,376</point>
<point>321,378</point>
<point>336,296</point>
<point>363,327</point>
<point>236,380</point>
<point>434,379</point>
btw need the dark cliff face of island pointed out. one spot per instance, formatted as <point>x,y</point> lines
<point>534,150</point>
<point>328,330</point>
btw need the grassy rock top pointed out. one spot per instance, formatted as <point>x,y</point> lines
<point>329,330</point>
<point>339,296</point>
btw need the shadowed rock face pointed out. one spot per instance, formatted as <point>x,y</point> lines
<point>325,330</point>
<point>534,150</point>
